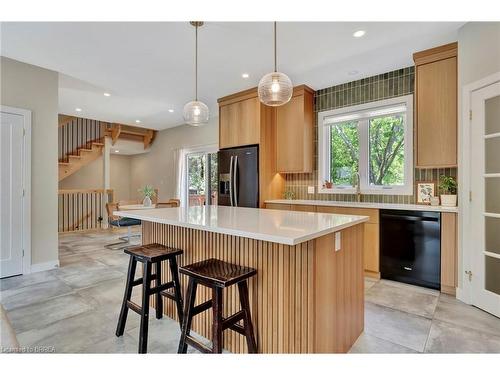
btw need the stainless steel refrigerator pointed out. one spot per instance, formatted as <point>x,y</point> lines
<point>239,177</point>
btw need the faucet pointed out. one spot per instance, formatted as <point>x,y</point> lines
<point>357,186</point>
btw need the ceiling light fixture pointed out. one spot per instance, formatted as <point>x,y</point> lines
<point>275,88</point>
<point>78,109</point>
<point>195,112</point>
<point>245,75</point>
<point>171,110</point>
<point>359,33</point>
<point>117,150</point>
<point>138,121</point>
<point>107,94</point>
<point>353,72</point>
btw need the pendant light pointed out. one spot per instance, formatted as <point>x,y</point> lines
<point>196,112</point>
<point>275,88</point>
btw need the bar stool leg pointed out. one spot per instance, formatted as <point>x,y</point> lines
<point>217,305</point>
<point>245,306</point>
<point>159,300</point>
<point>188,315</point>
<point>146,286</point>
<point>174,270</point>
<point>122,320</point>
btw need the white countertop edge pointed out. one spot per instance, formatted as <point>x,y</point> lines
<point>388,206</point>
<point>135,214</point>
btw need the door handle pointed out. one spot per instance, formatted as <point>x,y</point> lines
<point>231,181</point>
<point>235,186</point>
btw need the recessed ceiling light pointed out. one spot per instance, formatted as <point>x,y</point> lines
<point>117,151</point>
<point>138,121</point>
<point>171,110</point>
<point>353,72</point>
<point>359,33</point>
<point>245,75</point>
<point>78,109</point>
<point>107,94</point>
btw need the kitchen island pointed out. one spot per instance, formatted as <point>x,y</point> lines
<point>308,294</point>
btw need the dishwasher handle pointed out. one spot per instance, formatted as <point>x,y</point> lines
<point>410,218</point>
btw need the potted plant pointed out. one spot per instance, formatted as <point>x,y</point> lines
<point>448,188</point>
<point>328,184</point>
<point>148,192</point>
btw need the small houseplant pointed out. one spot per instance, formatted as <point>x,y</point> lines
<point>148,192</point>
<point>448,189</point>
<point>288,194</point>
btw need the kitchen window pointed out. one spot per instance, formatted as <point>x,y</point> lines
<point>374,140</point>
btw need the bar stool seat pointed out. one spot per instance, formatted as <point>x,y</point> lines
<point>217,275</point>
<point>148,255</point>
<point>152,252</point>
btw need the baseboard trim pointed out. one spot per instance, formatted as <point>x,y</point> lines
<point>45,266</point>
<point>450,290</point>
<point>372,274</point>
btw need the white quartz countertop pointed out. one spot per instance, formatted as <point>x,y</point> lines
<point>285,227</point>
<point>386,206</point>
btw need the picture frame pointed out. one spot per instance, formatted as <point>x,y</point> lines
<point>424,191</point>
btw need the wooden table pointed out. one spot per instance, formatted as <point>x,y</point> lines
<point>129,207</point>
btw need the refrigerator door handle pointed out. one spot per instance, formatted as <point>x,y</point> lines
<point>231,181</point>
<point>235,186</point>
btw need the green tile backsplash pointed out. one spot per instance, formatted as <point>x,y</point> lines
<point>383,86</point>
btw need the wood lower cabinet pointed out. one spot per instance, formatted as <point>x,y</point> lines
<point>294,132</point>
<point>448,253</point>
<point>436,107</point>
<point>371,235</point>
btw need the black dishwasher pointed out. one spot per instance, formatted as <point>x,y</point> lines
<point>410,247</point>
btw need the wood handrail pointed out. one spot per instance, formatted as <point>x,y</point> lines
<point>74,191</point>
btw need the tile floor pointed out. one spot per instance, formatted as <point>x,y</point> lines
<point>75,309</point>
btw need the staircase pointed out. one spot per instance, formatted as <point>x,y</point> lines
<point>81,141</point>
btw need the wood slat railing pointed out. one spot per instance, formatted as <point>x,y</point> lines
<point>76,133</point>
<point>82,209</point>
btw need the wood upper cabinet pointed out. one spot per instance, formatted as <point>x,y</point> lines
<point>239,122</point>
<point>436,107</point>
<point>294,132</point>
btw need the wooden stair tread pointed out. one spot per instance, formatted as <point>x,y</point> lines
<point>97,144</point>
<point>74,156</point>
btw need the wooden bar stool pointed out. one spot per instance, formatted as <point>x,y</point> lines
<point>149,255</point>
<point>217,275</point>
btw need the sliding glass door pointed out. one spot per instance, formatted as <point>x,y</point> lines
<point>201,169</point>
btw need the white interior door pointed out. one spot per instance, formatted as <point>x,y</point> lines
<point>485,203</point>
<point>11,194</point>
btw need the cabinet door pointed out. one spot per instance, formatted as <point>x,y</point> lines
<point>290,138</point>
<point>436,90</point>
<point>239,123</point>
<point>248,121</point>
<point>228,117</point>
<point>304,208</point>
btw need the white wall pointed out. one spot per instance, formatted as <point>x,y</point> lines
<point>478,57</point>
<point>91,177</point>
<point>30,87</point>
<point>157,168</point>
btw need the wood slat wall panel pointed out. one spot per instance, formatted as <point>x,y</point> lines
<point>285,293</point>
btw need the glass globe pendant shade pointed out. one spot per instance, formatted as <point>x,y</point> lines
<point>196,113</point>
<point>275,89</point>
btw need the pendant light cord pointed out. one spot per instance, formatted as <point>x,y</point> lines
<point>196,64</point>
<point>275,54</point>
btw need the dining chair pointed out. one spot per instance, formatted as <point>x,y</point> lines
<point>119,222</point>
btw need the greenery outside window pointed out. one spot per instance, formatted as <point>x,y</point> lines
<point>374,140</point>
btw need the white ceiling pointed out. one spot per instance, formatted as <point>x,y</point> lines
<point>149,67</point>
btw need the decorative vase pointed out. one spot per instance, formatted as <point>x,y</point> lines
<point>448,200</point>
<point>147,202</point>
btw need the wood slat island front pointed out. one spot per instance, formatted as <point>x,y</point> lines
<point>305,298</point>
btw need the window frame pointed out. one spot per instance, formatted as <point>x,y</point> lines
<point>364,152</point>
